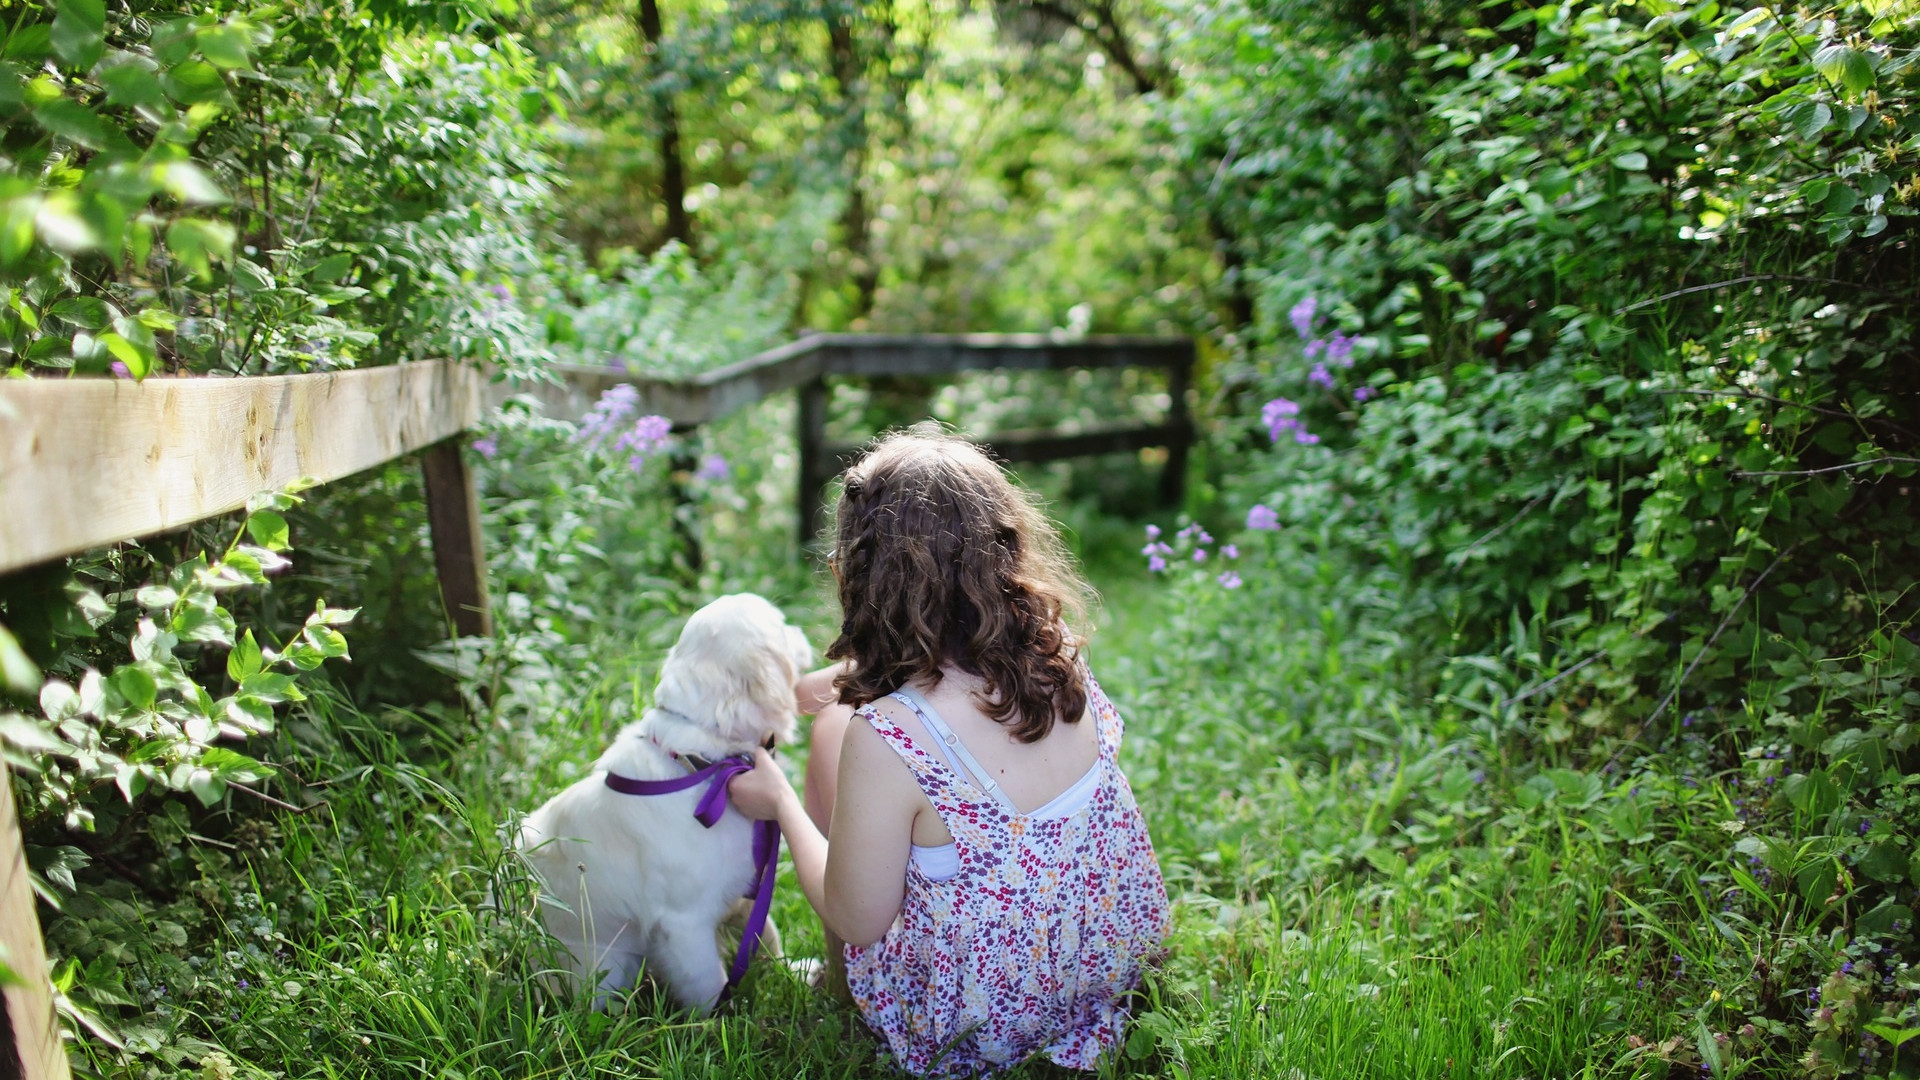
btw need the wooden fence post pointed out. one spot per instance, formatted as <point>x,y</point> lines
<point>453,517</point>
<point>32,1036</point>
<point>814,462</point>
<point>1173,476</point>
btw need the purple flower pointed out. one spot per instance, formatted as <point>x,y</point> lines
<point>1340,350</point>
<point>1365,393</point>
<point>1199,554</point>
<point>1229,580</point>
<point>1305,437</point>
<point>713,467</point>
<point>1261,518</point>
<point>486,446</point>
<point>1321,377</point>
<point>1302,316</point>
<point>615,405</point>
<point>1280,415</point>
<point>500,292</point>
<point>120,371</point>
<point>1156,563</point>
<point>1230,551</point>
<point>648,436</point>
<point>1153,532</point>
<point>1314,348</point>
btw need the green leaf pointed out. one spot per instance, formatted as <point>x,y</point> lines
<point>244,659</point>
<point>139,360</point>
<point>30,44</point>
<point>195,242</point>
<point>86,312</point>
<point>74,122</point>
<point>60,225</point>
<point>271,686</point>
<point>196,82</point>
<point>268,529</point>
<point>137,686</point>
<point>1848,66</point>
<point>157,597</point>
<point>18,672</point>
<point>132,80</point>
<point>205,786</point>
<point>79,32</point>
<point>226,46</point>
<point>1632,161</point>
<point>23,733</point>
<point>190,184</point>
<point>1810,118</point>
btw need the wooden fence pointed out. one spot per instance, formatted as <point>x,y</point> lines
<point>806,364</point>
<point>87,462</point>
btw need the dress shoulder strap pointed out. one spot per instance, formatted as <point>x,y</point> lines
<point>950,743</point>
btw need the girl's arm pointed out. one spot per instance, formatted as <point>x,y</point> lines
<point>814,690</point>
<point>859,890</point>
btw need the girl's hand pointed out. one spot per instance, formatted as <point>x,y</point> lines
<point>760,794</point>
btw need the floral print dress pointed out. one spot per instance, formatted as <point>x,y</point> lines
<point>1033,944</point>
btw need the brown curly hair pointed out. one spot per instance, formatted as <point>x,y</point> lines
<point>943,559</point>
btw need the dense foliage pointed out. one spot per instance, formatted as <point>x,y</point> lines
<point>1546,705</point>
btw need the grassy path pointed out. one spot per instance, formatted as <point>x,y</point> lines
<point>1315,937</point>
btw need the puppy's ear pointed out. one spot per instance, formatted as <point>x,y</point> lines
<point>762,701</point>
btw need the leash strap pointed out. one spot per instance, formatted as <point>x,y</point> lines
<point>708,811</point>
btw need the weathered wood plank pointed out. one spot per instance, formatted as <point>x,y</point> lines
<point>85,462</point>
<point>711,395</point>
<point>1019,446</point>
<point>453,519</point>
<point>817,465</point>
<point>36,1038</point>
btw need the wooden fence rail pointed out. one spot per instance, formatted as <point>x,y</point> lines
<point>806,364</point>
<point>87,462</point>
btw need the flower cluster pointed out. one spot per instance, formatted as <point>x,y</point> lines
<point>645,437</point>
<point>1262,518</point>
<point>1281,416</point>
<point>1328,353</point>
<point>1189,545</point>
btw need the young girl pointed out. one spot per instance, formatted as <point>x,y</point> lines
<point>987,868</point>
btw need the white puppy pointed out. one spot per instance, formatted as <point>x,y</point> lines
<point>632,879</point>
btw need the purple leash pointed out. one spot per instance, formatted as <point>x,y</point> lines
<point>708,811</point>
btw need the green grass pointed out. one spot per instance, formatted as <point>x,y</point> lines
<point>1357,893</point>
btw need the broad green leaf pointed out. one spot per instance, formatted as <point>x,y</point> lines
<point>87,312</point>
<point>226,46</point>
<point>139,360</point>
<point>269,530</point>
<point>136,686</point>
<point>23,733</point>
<point>1632,161</point>
<point>18,672</point>
<point>272,687</point>
<point>60,225</point>
<point>79,32</point>
<point>157,597</point>
<point>244,659</point>
<point>190,184</point>
<point>132,80</point>
<point>196,242</point>
<point>30,44</point>
<point>195,82</point>
<point>74,122</point>
<point>1810,119</point>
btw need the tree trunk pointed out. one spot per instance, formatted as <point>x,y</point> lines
<point>855,223</point>
<point>673,171</point>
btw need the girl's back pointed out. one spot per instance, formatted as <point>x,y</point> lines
<point>1024,936</point>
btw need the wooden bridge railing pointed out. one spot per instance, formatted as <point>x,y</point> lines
<point>87,462</point>
<point>806,364</point>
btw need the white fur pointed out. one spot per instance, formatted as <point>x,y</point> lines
<point>633,879</point>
